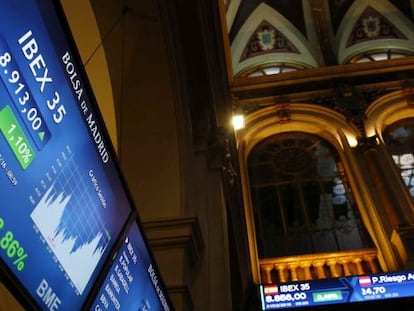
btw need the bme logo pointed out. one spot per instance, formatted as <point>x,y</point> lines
<point>51,300</point>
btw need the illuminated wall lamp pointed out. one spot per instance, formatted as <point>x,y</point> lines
<point>238,121</point>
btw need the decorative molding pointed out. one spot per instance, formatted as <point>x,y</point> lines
<point>181,296</point>
<point>176,233</point>
<point>367,143</point>
<point>403,240</point>
<point>373,26</point>
<point>318,266</point>
<point>283,112</point>
<point>267,39</point>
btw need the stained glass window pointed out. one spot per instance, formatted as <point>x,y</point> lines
<point>301,198</point>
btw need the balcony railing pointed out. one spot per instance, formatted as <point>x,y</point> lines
<point>318,266</point>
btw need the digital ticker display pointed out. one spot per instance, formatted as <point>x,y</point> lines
<point>63,203</point>
<point>133,282</point>
<point>342,290</point>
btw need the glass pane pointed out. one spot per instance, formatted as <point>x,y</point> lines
<point>256,74</point>
<point>271,70</point>
<point>399,140</point>
<point>301,200</point>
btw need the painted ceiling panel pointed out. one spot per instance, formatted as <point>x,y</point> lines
<point>323,32</point>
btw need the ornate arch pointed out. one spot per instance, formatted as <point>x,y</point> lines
<point>387,110</point>
<point>283,28</point>
<point>320,121</point>
<point>333,128</point>
<point>379,23</point>
<point>302,117</point>
<point>231,11</point>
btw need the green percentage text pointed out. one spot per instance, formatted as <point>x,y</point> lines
<point>15,137</point>
<point>12,248</point>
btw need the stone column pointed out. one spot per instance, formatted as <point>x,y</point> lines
<point>177,246</point>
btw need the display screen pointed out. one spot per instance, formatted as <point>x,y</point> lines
<point>366,288</point>
<point>63,203</point>
<point>133,281</point>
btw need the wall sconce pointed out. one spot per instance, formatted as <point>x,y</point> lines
<point>238,114</point>
<point>238,121</point>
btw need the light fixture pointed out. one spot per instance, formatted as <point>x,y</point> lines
<point>238,121</point>
<point>238,114</point>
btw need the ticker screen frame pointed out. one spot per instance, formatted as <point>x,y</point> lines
<point>16,285</point>
<point>149,287</point>
<point>357,291</point>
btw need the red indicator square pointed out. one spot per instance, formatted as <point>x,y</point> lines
<point>271,289</point>
<point>364,281</point>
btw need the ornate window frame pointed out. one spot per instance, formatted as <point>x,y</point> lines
<point>327,124</point>
<point>384,112</point>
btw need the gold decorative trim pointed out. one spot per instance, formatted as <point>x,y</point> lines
<point>319,266</point>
